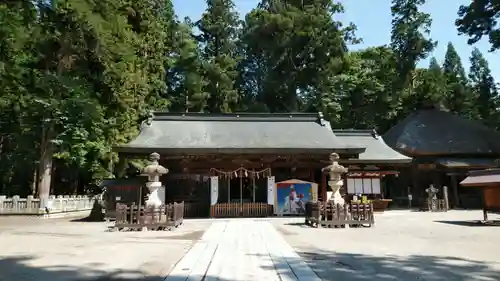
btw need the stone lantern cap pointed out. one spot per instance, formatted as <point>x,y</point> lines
<point>154,170</point>
<point>335,167</point>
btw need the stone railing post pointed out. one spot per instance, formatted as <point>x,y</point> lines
<point>15,203</point>
<point>29,204</point>
<point>2,200</point>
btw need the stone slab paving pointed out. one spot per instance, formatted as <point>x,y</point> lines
<point>242,250</point>
<point>64,250</point>
<point>403,245</point>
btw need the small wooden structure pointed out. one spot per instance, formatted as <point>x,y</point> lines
<point>334,215</point>
<point>135,217</point>
<point>122,191</point>
<point>489,182</point>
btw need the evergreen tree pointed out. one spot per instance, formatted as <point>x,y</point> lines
<point>459,98</point>
<point>186,77</point>
<point>292,51</point>
<point>219,31</point>
<point>479,19</point>
<point>429,87</point>
<point>484,88</point>
<point>408,39</point>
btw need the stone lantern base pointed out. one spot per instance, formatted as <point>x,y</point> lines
<point>334,195</point>
<point>156,196</point>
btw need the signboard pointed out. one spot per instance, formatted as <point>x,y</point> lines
<point>363,186</point>
<point>292,196</point>
<point>270,190</point>
<point>214,190</point>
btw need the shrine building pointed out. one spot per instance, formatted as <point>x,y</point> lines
<point>445,148</point>
<point>241,156</point>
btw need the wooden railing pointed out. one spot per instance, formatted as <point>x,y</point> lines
<point>227,210</point>
<point>196,210</point>
<point>133,217</point>
<point>336,215</point>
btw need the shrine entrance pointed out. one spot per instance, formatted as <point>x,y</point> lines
<point>241,193</point>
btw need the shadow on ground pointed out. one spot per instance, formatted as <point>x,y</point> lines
<point>16,269</point>
<point>356,267</point>
<point>472,223</point>
<point>96,214</point>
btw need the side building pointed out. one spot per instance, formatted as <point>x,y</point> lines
<point>445,147</point>
<point>247,152</point>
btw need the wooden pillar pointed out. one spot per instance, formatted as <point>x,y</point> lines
<point>454,188</point>
<point>253,185</point>
<point>229,189</point>
<point>323,187</point>
<point>445,197</point>
<point>414,188</point>
<point>241,187</point>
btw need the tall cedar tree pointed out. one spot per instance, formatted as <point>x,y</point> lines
<point>186,77</point>
<point>408,38</point>
<point>219,32</point>
<point>484,88</point>
<point>292,50</point>
<point>459,98</point>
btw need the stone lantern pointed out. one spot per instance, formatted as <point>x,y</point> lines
<point>154,170</point>
<point>335,171</point>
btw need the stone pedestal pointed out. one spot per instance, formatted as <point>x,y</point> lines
<point>156,196</point>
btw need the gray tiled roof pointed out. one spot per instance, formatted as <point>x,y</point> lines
<point>377,151</point>
<point>237,133</point>
<point>436,132</point>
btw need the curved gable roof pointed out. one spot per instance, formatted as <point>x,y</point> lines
<point>436,132</point>
<point>377,151</point>
<point>237,133</point>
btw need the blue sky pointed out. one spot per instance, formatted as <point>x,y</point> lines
<point>373,19</point>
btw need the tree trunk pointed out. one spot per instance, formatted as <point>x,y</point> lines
<point>45,165</point>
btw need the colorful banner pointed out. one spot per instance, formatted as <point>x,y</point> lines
<point>292,197</point>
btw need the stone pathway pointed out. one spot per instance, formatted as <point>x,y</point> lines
<point>244,250</point>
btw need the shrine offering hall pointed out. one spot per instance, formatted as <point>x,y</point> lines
<point>253,164</point>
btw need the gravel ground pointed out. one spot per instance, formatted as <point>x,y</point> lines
<point>403,245</point>
<point>61,249</point>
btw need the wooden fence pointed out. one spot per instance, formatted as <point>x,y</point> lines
<point>336,215</point>
<point>196,210</point>
<point>434,205</point>
<point>227,210</point>
<point>57,204</point>
<point>133,217</point>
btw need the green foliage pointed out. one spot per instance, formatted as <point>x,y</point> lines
<point>484,89</point>
<point>79,77</point>
<point>219,30</point>
<point>478,19</point>
<point>459,98</point>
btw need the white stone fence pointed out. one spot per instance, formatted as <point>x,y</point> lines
<point>16,205</point>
